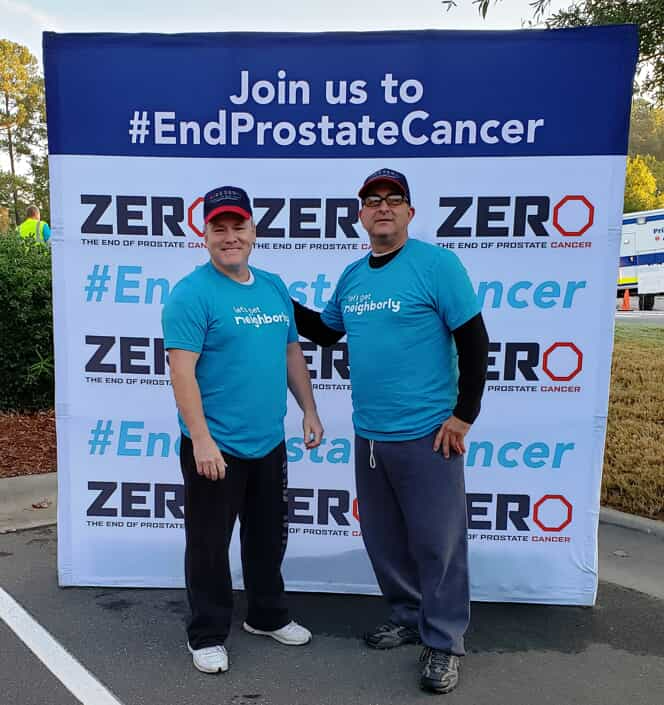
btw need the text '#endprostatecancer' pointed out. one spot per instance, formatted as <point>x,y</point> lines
<point>416,128</point>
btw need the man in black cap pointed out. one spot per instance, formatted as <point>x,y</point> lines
<point>405,308</point>
<point>230,333</point>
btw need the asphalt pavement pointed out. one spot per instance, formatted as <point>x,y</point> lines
<point>642,318</point>
<point>127,646</point>
<point>133,641</point>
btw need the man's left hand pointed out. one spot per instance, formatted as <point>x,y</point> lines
<point>450,436</point>
<point>313,430</point>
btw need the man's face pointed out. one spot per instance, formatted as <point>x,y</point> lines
<point>384,223</point>
<point>229,238</point>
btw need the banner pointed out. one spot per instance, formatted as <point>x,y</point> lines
<point>514,144</point>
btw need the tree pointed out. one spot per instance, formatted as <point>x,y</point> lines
<point>640,187</point>
<point>656,169</point>
<point>21,108</point>
<point>40,192</point>
<point>15,190</point>
<point>4,220</point>
<point>647,14</point>
<point>646,130</point>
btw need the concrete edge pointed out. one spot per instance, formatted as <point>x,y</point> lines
<point>22,487</point>
<point>18,494</point>
<point>631,521</point>
<point>41,522</point>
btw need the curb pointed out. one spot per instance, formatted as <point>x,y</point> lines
<point>631,521</point>
<point>18,494</point>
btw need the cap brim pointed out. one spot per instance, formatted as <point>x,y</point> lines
<point>227,209</point>
<point>366,185</point>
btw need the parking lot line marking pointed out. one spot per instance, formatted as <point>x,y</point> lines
<point>73,675</point>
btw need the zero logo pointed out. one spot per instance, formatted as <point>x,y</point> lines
<point>547,361</point>
<point>564,509</point>
<point>573,214</point>
<point>190,216</point>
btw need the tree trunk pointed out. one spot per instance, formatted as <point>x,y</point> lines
<point>10,145</point>
<point>13,170</point>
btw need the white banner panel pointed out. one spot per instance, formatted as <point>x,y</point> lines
<point>524,186</point>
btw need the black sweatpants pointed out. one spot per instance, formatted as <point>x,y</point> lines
<point>256,491</point>
<point>412,505</point>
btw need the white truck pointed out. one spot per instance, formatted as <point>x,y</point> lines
<point>642,256</point>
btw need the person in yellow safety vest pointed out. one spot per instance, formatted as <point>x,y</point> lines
<point>34,226</point>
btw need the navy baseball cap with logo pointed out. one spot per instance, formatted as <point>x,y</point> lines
<point>389,175</point>
<point>226,199</point>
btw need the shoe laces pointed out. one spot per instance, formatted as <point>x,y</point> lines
<point>436,658</point>
<point>387,627</point>
<point>210,651</point>
<point>290,627</point>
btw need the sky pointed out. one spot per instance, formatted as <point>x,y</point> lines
<point>23,21</point>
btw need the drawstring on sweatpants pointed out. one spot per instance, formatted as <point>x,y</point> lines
<point>372,460</point>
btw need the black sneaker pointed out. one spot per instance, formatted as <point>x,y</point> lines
<point>440,673</point>
<point>390,635</point>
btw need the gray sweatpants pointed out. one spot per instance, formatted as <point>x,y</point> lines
<point>413,518</point>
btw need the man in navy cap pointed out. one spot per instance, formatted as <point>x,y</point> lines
<point>232,342</point>
<point>405,308</point>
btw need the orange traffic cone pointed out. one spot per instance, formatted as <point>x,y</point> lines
<point>625,304</point>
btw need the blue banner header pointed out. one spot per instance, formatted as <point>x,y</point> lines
<point>382,94</point>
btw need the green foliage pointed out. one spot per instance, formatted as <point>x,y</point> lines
<point>640,187</point>
<point>39,190</point>
<point>657,170</point>
<point>22,118</point>
<point>18,187</point>
<point>26,352</point>
<point>647,14</point>
<point>646,129</point>
<point>646,141</point>
<point>22,95</point>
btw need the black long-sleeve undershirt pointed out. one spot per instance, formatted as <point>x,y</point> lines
<point>471,340</point>
<point>310,325</point>
<point>472,344</point>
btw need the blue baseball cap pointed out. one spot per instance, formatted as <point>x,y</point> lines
<point>226,199</point>
<point>389,175</point>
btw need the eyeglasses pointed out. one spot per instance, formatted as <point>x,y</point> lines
<point>392,199</point>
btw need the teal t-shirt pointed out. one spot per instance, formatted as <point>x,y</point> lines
<point>241,332</point>
<point>399,319</point>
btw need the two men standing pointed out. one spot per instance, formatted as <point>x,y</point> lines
<point>408,310</point>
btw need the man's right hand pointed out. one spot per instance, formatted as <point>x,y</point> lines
<point>209,461</point>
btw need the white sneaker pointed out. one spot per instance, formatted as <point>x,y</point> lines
<point>293,634</point>
<point>210,659</point>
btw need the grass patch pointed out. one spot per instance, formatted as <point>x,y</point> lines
<point>633,478</point>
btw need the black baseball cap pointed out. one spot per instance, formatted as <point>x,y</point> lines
<point>226,199</point>
<point>390,175</point>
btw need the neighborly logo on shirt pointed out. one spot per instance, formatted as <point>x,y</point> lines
<point>253,316</point>
<point>361,303</point>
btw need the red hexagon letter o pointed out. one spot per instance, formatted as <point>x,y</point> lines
<point>356,510</point>
<point>573,373</point>
<point>556,213</point>
<point>190,216</point>
<point>546,498</point>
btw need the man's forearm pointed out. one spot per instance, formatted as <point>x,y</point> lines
<point>189,402</point>
<point>299,381</point>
